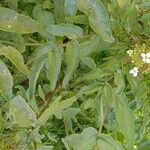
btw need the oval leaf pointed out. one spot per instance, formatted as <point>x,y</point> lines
<point>69,30</point>
<point>88,61</point>
<point>98,17</point>
<point>70,7</point>
<point>11,21</point>
<point>22,113</point>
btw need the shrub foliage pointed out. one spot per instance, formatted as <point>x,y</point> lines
<point>74,74</point>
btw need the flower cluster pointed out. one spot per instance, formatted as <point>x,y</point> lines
<point>134,71</point>
<point>140,58</point>
<point>146,57</point>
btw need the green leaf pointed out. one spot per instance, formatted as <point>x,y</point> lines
<point>33,75</point>
<point>40,52</point>
<point>42,16</point>
<point>108,94</point>
<point>15,57</point>
<point>45,148</point>
<point>36,136</point>
<point>90,46</point>
<point>125,119</point>
<point>29,1</point>
<point>45,18</point>
<point>105,142</point>
<point>6,81</point>
<point>59,11</point>
<point>83,141</point>
<point>22,113</point>
<point>99,106</point>
<point>133,82</point>
<point>90,103</point>
<point>98,18</point>
<point>13,4</point>
<point>41,92</point>
<point>72,60</point>
<point>55,108</point>
<point>11,21</point>
<point>47,5</point>
<point>70,7</point>
<point>69,115</point>
<point>144,146</point>
<point>95,44</point>
<point>66,29</point>
<point>78,19</point>
<point>119,81</point>
<point>17,39</point>
<point>88,61</point>
<point>95,74</point>
<point>54,59</point>
<point>90,89</point>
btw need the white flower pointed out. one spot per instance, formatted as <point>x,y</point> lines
<point>134,71</point>
<point>146,57</point>
<point>130,52</point>
<point>143,55</point>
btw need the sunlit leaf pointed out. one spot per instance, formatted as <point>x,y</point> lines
<point>22,113</point>
<point>11,21</point>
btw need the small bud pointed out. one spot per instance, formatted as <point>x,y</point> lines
<point>130,52</point>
